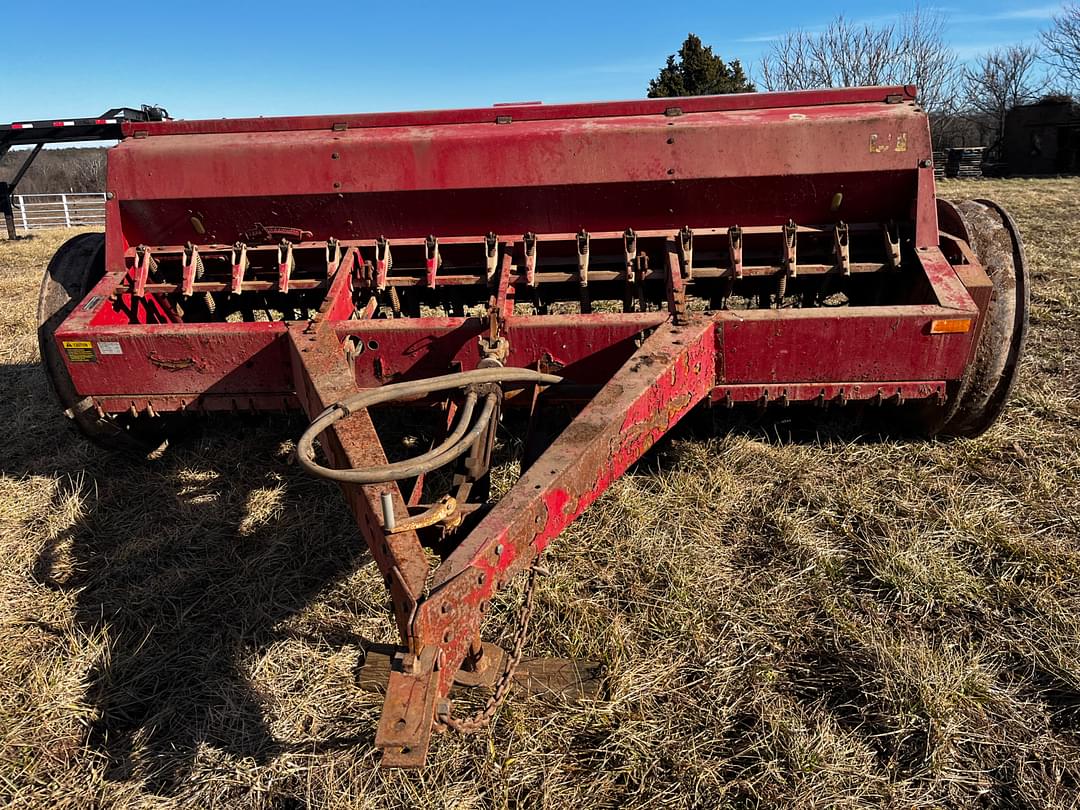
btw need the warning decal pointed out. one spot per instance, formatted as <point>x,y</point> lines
<point>79,351</point>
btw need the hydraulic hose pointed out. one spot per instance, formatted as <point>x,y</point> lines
<point>461,424</point>
<point>459,441</point>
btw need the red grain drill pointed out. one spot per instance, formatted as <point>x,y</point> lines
<point>638,258</point>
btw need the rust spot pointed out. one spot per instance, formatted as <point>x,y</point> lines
<point>549,365</point>
<point>179,364</point>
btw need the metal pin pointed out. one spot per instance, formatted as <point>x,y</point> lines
<point>389,522</point>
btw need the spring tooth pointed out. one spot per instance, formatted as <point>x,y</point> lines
<point>781,289</point>
<point>211,304</point>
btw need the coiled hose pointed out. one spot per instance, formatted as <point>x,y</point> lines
<point>461,438</point>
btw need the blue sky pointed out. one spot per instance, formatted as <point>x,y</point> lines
<point>208,60</point>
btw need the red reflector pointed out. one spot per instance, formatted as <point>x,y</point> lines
<point>950,326</point>
<point>57,123</point>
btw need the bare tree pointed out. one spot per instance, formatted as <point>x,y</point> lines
<point>910,51</point>
<point>845,54</point>
<point>925,60</point>
<point>998,81</point>
<point>1062,44</point>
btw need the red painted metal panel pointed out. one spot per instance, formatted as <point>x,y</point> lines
<point>183,362</point>
<point>814,157</point>
<point>528,112</point>
<point>886,343</point>
<point>180,362</point>
<point>217,359</point>
<point>579,152</point>
<point>546,175</point>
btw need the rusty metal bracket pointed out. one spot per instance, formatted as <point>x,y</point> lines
<point>404,733</point>
<point>629,254</point>
<point>238,258</point>
<point>500,308</point>
<point>686,249</point>
<point>891,234</point>
<point>529,241</point>
<point>145,267</point>
<point>641,270</point>
<point>286,265</point>
<point>582,243</point>
<point>268,234</point>
<point>791,258</point>
<point>842,247</point>
<point>444,511</point>
<point>192,269</point>
<point>383,262</point>
<point>432,259</point>
<point>735,251</point>
<point>491,254</point>
<point>333,256</point>
<point>676,284</point>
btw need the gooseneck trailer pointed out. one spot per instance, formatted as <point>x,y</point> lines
<point>38,134</point>
<point>633,260</point>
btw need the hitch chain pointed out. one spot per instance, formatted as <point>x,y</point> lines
<point>479,720</point>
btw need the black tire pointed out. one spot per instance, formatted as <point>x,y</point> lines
<point>73,271</point>
<point>980,397</point>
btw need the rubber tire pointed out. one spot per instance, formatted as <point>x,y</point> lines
<point>73,271</point>
<point>981,395</point>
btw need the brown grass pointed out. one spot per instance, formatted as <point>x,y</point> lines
<point>820,621</point>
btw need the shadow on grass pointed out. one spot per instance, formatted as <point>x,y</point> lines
<point>184,566</point>
<point>184,582</point>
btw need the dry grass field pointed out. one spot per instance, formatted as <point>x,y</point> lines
<point>792,618</point>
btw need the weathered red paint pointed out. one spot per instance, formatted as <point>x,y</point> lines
<point>556,502</point>
<point>671,373</point>
<point>567,166</point>
<point>334,186</point>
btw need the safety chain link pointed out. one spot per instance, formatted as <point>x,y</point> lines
<point>478,721</point>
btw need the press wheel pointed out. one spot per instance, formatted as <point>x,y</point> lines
<point>980,396</point>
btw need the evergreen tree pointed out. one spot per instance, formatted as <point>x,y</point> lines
<point>697,71</point>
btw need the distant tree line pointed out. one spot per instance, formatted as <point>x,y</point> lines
<point>967,102</point>
<point>57,171</point>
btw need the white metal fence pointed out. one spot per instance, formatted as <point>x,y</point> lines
<point>58,210</point>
